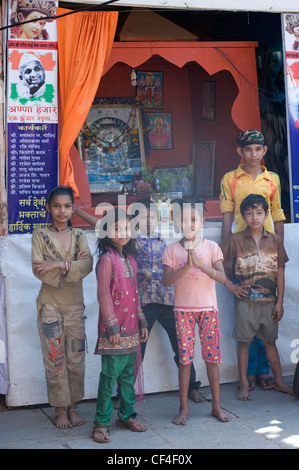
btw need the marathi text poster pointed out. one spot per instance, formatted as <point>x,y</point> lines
<point>32,113</point>
<point>30,169</point>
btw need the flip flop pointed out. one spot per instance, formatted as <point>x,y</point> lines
<point>251,382</point>
<point>130,424</point>
<point>195,396</point>
<point>266,380</point>
<point>103,431</point>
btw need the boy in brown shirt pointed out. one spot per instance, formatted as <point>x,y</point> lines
<point>259,259</point>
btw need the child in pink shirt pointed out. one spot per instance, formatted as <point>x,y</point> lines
<point>193,265</point>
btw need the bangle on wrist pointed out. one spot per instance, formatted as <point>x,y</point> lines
<point>65,267</point>
<point>214,273</point>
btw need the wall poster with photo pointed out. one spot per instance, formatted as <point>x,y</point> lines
<point>111,145</point>
<point>149,88</point>
<point>160,135</point>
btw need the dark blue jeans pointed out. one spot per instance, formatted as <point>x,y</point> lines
<point>165,316</point>
<point>257,361</point>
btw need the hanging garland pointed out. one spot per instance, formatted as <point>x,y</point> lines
<point>112,146</point>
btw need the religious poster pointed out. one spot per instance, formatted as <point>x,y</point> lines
<point>111,145</point>
<point>160,135</point>
<point>290,27</point>
<point>150,88</point>
<point>32,113</point>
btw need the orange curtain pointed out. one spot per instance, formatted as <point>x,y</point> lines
<point>85,41</point>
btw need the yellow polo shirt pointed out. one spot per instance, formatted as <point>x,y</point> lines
<point>233,191</point>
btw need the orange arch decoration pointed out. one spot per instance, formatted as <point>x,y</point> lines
<point>85,41</point>
<point>236,57</point>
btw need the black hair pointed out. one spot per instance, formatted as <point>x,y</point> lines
<point>252,201</point>
<point>179,204</point>
<point>62,191</point>
<point>111,217</point>
<point>192,203</point>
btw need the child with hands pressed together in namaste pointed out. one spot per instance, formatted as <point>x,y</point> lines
<point>156,300</point>
<point>193,264</point>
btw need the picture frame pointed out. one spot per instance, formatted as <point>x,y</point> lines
<point>111,145</point>
<point>208,103</point>
<point>203,168</point>
<point>182,185</point>
<point>149,88</point>
<point>160,134</point>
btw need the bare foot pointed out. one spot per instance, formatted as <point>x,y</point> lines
<point>283,387</point>
<point>182,417</point>
<point>74,417</point>
<point>219,414</point>
<point>61,419</point>
<point>244,393</point>
<point>195,396</point>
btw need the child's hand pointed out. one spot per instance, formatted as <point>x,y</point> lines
<point>239,290</point>
<point>143,334</point>
<point>82,255</point>
<point>195,259</point>
<point>277,312</point>
<point>42,267</point>
<point>115,339</point>
<point>190,259</point>
<point>147,273</point>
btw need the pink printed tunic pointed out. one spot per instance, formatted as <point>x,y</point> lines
<point>120,310</point>
<point>195,291</point>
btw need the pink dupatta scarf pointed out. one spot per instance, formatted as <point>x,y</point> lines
<point>119,284</point>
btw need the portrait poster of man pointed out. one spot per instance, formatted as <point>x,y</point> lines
<point>32,78</point>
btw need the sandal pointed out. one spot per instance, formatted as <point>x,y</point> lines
<point>195,396</point>
<point>100,430</point>
<point>251,381</point>
<point>131,424</point>
<point>264,382</point>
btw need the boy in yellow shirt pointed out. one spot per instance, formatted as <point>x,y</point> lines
<point>251,178</point>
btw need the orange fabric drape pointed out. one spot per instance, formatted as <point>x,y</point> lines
<point>85,41</point>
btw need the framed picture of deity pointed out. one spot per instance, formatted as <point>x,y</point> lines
<point>111,146</point>
<point>160,134</point>
<point>149,88</point>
